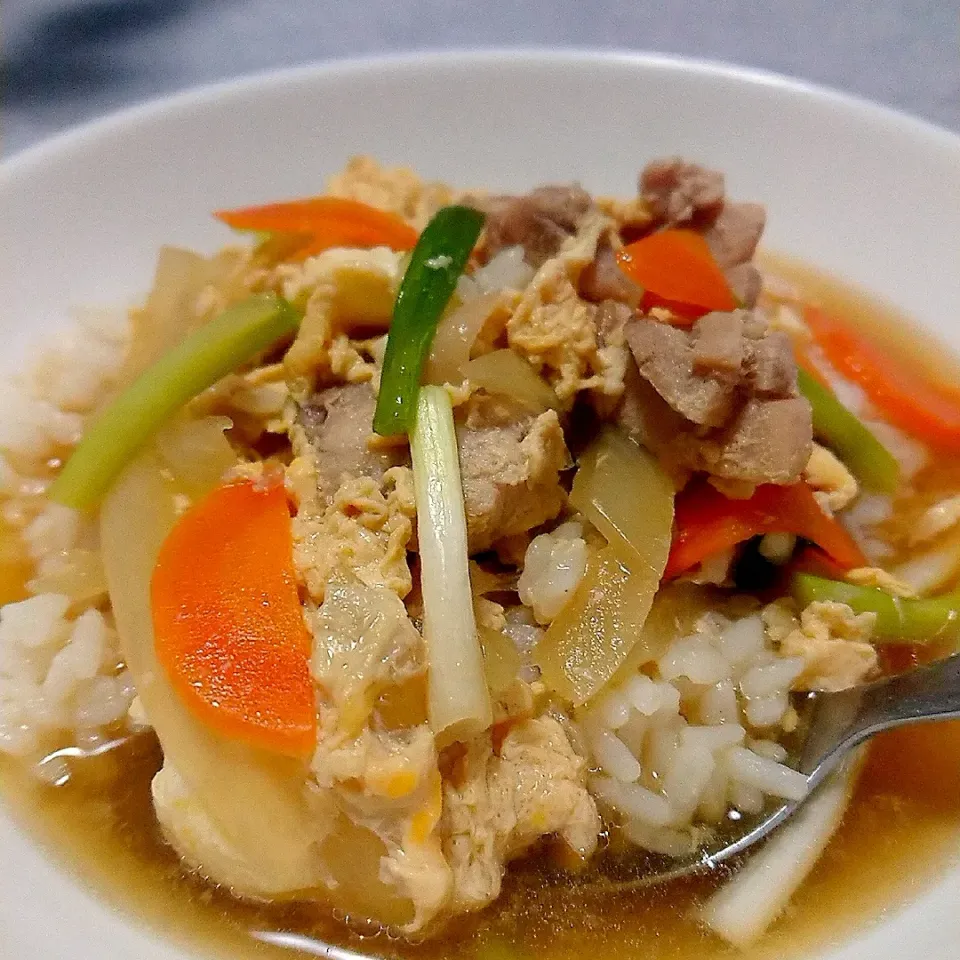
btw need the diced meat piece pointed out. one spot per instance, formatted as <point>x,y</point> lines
<point>720,398</point>
<point>769,442</point>
<point>718,346</point>
<point>734,235</point>
<point>539,221</point>
<point>665,357</point>
<point>563,204</point>
<point>335,426</point>
<point>603,279</point>
<point>772,367</point>
<point>510,467</point>
<point>745,282</point>
<point>612,317</point>
<point>500,806</point>
<point>677,191</point>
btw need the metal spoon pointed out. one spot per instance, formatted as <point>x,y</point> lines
<point>835,724</point>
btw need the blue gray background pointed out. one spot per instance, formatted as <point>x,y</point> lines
<point>66,61</point>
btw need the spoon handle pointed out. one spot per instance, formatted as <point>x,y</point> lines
<point>843,720</point>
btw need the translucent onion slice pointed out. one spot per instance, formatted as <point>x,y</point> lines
<point>622,490</point>
<point>742,909</point>
<point>507,374</point>
<point>453,341</point>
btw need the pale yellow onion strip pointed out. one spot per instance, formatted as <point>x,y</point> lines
<point>624,492</point>
<point>258,802</point>
<point>933,569</point>
<point>458,699</point>
<point>455,336</point>
<point>507,374</point>
<point>743,908</point>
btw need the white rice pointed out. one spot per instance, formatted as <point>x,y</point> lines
<point>61,677</point>
<point>692,737</point>
<point>506,271</point>
<point>552,569</point>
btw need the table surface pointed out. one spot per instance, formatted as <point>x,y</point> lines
<point>66,61</point>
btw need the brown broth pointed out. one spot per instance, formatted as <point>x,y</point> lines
<point>897,837</point>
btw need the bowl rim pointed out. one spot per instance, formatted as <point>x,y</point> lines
<point>38,159</point>
<point>48,148</point>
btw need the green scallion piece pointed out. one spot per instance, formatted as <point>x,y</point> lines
<point>435,266</point>
<point>864,455</point>
<point>899,620</point>
<point>200,360</point>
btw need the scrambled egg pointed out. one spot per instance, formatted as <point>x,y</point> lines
<point>364,533</point>
<point>834,485</point>
<point>556,330</point>
<point>395,189</point>
<point>833,641</point>
<point>336,290</point>
<point>498,806</point>
<point>875,577</point>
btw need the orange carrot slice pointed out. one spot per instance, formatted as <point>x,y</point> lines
<point>706,522</point>
<point>325,222</point>
<point>922,408</point>
<point>676,269</point>
<point>227,620</point>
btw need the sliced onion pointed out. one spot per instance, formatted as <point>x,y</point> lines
<point>506,373</point>
<point>622,490</point>
<point>742,909</point>
<point>455,337</point>
<point>935,568</point>
<point>197,452</point>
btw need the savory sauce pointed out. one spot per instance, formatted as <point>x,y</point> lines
<point>898,834</point>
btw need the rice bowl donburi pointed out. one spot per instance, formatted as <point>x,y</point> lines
<point>434,533</point>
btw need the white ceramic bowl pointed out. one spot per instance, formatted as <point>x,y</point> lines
<point>862,191</point>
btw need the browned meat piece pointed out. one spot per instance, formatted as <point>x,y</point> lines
<point>677,191</point>
<point>772,368</point>
<point>734,235</point>
<point>745,282</point>
<point>718,346</point>
<point>665,358</point>
<point>611,317</point>
<point>510,465</point>
<point>539,221</point>
<point>768,443</point>
<point>721,398</point>
<point>603,279</point>
<point>335,425</point>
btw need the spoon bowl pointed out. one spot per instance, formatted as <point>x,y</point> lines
<point>832,726</point>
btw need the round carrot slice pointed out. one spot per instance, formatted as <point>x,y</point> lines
<point>228,626</point>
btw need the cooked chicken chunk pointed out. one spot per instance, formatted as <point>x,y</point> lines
<point>510,466</point>
<point>724,398</point>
